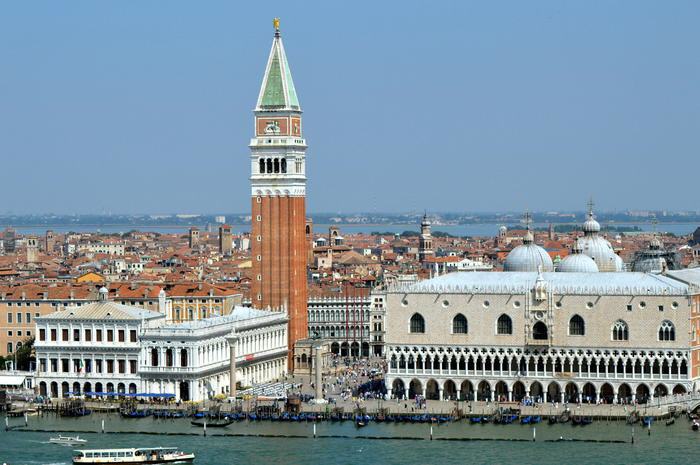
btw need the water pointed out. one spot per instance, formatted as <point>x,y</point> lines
<point>474,230</point>
<point>676,444</point>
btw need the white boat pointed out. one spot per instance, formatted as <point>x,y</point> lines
<point>149,455</point>
<point>68,440</point>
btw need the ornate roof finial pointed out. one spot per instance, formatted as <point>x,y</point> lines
<point>527,219</point>
<point>590,207</point>
<point>276,24</point>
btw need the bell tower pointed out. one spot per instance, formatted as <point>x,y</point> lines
<point>278,190</point>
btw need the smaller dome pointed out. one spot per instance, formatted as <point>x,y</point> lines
<point>655,244</point>
<point>528,257</point>
<point>503,229</point>
<point>619,263</point>
<point>103,293</point>
<point>591,225</point>
<point>577,263</point>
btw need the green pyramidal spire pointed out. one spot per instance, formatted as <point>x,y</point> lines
<point>277,91</point>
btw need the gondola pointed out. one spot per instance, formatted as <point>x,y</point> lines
<point>553,420</point>
<point>564,417</point>
<point>222,423</point>
<point>536,419</point>
<point>525,420</point>
<point>670,421</point>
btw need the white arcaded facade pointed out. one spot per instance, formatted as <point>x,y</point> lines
<point>553,336</point>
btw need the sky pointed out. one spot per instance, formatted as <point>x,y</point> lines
<point>145,106</point>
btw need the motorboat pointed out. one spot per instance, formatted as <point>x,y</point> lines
<point>67,440</point>
<point>147,455</point>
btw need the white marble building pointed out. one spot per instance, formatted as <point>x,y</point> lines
<point>105,347</point>
<point>93,348</point>
<point>554,336</point>
<point>191,359</point>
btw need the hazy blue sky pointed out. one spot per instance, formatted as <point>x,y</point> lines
<point>133,106</point>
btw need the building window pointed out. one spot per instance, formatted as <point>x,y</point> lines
<point>539,331</point>
<point>64,335</point>
<point>110,335</point>
<point>154,357</point>
<point>42,334</point>
<point>667,332</point>
<point>504,325</point>
<point>169,357</point>
<point>620,331</point>
<point>28,317</point>
<point>459,324</point>
<point>19,318</point>
<point>98,335</point>
<point>76,335</point>
<point>9,317</point>
<point>132,335</point>
<point>121,335</point>
<point>577,327</point>
<point>88,335</point>
<point>132,366</point>
<point>417,324</point>
<point>53,334</point>
<point>183,357</point>
<point>121,364</point>
<point>110,366</point>
<point>9,347</point>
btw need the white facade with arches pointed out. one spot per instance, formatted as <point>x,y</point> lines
<point>191,360</point>
<point>552,336</point>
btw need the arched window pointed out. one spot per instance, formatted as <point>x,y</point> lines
<point>262,165</point>
<point>667,332</point>
<point>276,165</point>
<point>417,323</point>
<point>169,357</point>
<point>539,331</point>
<point>504,325</point>
<point>459,324</point>
<point>154,357</point>
<point>284,165</point>
<point>577,327</point>
<point>269,165</point>
<point>183,357</point>
<point>620,331</point>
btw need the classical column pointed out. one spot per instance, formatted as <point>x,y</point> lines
<point>319,382</point>
<point>232,340</point>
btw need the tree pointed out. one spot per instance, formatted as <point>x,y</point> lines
<point>24,355</point>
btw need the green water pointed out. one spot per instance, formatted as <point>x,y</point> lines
<point>676,444</point>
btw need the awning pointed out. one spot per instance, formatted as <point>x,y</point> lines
<point>12,380</point>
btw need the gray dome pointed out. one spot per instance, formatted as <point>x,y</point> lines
<point>600,251</point>
<point>619,264</point>
<point>591,225</point>
<point>577,263</point>
<point>528,257</point>
<point>651,265</point>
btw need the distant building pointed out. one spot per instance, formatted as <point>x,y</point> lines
<point>225,240</point>
<point>425,242</point>
<point>193,239</point>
